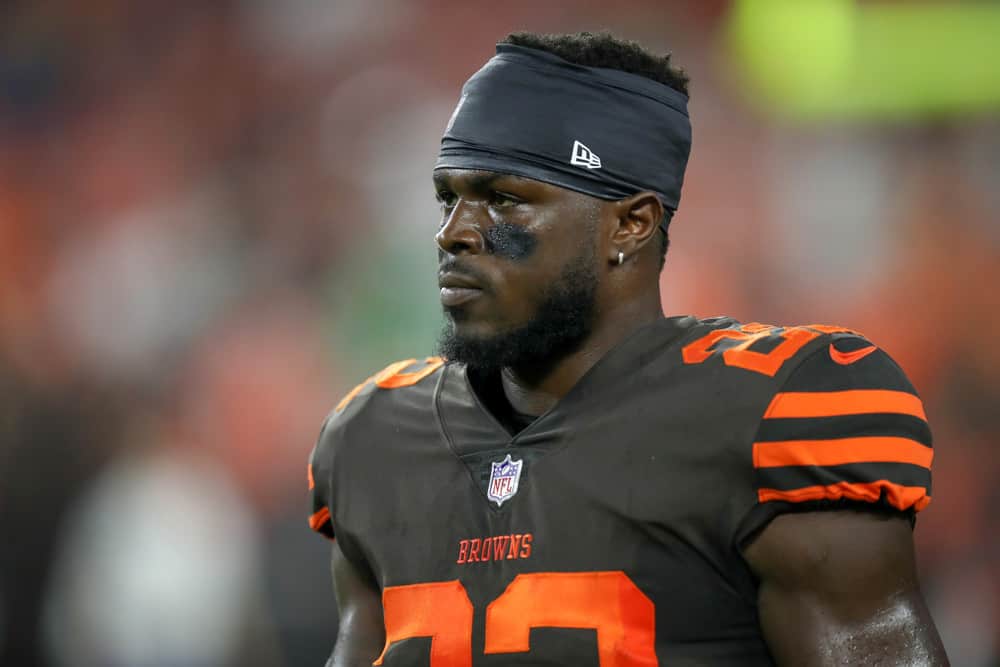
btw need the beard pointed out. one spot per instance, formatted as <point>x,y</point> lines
<point>562,321</point>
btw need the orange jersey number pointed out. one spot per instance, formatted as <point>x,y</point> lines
<point>394,377</point>
<point>441,611</point>
<point>607,602</point>
<point>790,341</point>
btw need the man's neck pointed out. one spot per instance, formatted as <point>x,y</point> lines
<point>534,391</point>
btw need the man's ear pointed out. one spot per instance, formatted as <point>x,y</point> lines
<point>638,218</point>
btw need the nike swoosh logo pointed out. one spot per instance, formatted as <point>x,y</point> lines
<point>848,358</point>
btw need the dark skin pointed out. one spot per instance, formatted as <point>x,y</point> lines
<point>836,587</point>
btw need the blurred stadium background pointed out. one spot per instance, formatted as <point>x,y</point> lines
<point>215,218</point>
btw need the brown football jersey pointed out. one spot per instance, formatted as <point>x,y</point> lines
<point>609,530</point>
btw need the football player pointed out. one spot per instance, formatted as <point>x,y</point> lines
<point>579,480</point>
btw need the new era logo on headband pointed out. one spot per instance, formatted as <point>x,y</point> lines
<point>584,157</point>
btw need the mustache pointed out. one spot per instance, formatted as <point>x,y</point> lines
<point>459,266</point>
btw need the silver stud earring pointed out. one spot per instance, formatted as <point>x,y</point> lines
<point>621,258</point>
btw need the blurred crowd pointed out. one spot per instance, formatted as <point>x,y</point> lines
<point>215,218</point>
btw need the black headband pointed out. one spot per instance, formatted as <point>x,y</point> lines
<point>603,132</point>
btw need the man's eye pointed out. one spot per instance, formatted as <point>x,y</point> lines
<point>503,200</point>
<point>446,199</point>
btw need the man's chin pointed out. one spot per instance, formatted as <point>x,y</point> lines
<point>475,346</point>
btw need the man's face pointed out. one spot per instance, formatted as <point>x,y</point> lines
<point>518,268</point>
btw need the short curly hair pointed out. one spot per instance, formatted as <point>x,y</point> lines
<point>603,49</point>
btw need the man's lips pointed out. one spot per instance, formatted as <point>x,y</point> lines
<point>456,296</point>
<point>457,289</point>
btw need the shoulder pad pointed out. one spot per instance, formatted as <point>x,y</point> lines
<point>397,375</point>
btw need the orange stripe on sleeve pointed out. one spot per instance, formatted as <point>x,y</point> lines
<point>837,403</point>
<point>900,497</point>
<point>872,449</point>
<point>317,520</point>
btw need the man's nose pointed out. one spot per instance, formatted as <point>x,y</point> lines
<point>460,232</point>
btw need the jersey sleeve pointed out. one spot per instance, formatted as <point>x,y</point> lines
<point>325,478</point>
<point>846,429</point>
<point>318,475</point>
<point>323,464</point>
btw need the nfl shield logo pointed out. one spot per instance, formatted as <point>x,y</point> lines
<point>504,477</point>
